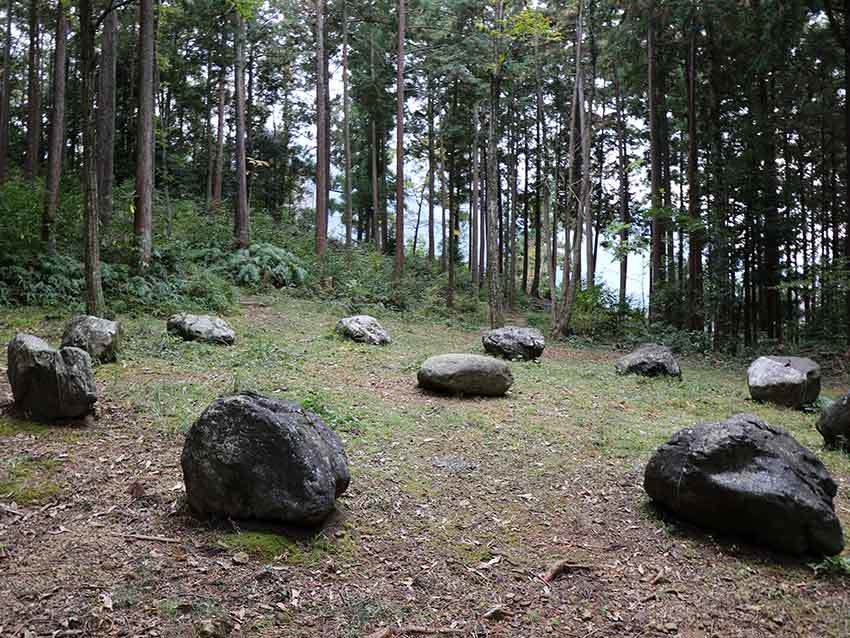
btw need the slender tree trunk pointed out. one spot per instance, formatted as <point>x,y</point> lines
<point>94,290</point>
<point>33,140</point>
<point>5,94</point>
<point>497,318</point>
<point>657,235</point>
<point>106,118</point>
<point>513,211</point>
<point>695,288</point>
<point>218,172</point>
<point>346,114</point>
<point>241,226</point>
<point>56,137</point>
<point>321,133</point>
<point>399,148</point>
<point>143,218</point>
<point>538,185</point>
<point>431,169</point>
<point>623,174</point>
<point>376,233</point>
<point>525,198</point>
<point>473,206</point>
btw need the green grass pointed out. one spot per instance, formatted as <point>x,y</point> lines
<point>270,546</point>
<point>29,481</point>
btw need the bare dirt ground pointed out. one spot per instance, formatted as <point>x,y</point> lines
<point>456,511</point>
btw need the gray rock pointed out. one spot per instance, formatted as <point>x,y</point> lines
<point>101,338</point>
<point>834,423</point>
<point>364,329</point>
<point>50,384</point>
<point>201,328</point>
<point>745,477</point>
<point>512,342</point>
<point>650,360</point>
<point>249,456</point>
<point>466,374</point>
<point>789,381</point>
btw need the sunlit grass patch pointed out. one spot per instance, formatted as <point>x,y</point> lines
<point>29,480</point>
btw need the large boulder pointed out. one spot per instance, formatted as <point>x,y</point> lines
<point>50,384</point>
<point>789,381</point>
<point>201,328</point>
<point>99,337</point>
<point>834,423</point>
<point>512,342</point>
<point>364,329</point>
<point>743,476</point>
<point>650,360</point>
<point>249,456</point>
<point>465,374</point>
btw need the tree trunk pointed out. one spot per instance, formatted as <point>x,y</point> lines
<point>346,114</point>
<point>623,174</point>
<point>5,94</point>
<point>497,319</point>
<point>657,235</point>
<point>538,185</point>
<point>33,140</point>
<point>142,224</point>
<point>56,137</point>
<point>373,133</point>
<point>399,148</point>
<point>431,168</point>
<point>241,225</point>
<point>218,170</point>
<point>474,211</point>
<point>94,290</point>
<point>321,134</point>
<point>106,118</point>
<point>695,287</point>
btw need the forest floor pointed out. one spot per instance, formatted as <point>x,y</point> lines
<point>457,506</point>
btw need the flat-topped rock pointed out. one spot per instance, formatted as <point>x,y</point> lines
<point>834,423</point>
<point>512,342</point>
<point>788,381</point>
<point>363,329</point>
<point>745,477</point>
<point>250,456</point>
<point>466,374</point>
<point>650,360</point>
<point>201,328</point>
<point>101,338</point>
<point>50,384</point>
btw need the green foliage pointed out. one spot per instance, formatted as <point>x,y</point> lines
<point>834,566</point>
<point>681,341</point>
<point>259,266</point>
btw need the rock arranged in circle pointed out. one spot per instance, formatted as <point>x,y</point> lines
<point>201,328</point>
<point>512,342</point>
<point>50,384</point>
<point>250,456</point>
<point>745,477</point>
<point>465,374</point>
<point>101,338</point>
<point>650,360</point>
<point>834,423</point>
<point>787,381</point>
<point>363,329</point>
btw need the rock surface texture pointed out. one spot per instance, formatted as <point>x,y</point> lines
<point>466,374</point>
<point>364,329</point>
<point>101,338</point>
<point>201,328</point>
<point>50,384</point>
<point>745,477</point>
<point>249,456</point>
<point>512,342</point>
<point>789,381</point>
<point>650,360</point>
<point>834,423</point>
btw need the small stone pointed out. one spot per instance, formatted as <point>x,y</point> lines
<point>512,342</point>
<point>201,328</point>
<point>364,329</point>
<point>466,374</point>
<point>650,360</point>
<point>101,338</point>
<point>241,558</point>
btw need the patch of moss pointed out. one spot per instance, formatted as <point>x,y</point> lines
<point>13,427</point>
<point>270,546</point>
<point>30,481</point>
